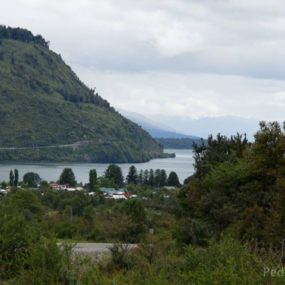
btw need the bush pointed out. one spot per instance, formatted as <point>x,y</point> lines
<point>228,262</point>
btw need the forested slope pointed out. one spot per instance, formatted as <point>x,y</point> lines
<point>43,103</point>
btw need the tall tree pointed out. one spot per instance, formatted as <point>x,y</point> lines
<point>157,178</point>
<point>140,178</point>
<point>132,177</point>
<point>11,178</point>
<point>67,177</point>
<point>146,177</point>
<point>163,178</point>
<point>92,179</point>
<point>16,177</point>
<point>114,172</point>
<point>151,178</point>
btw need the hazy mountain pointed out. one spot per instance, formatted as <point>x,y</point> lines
<point>155,129</point>
<point>47,113</point>
<point>226,125</point>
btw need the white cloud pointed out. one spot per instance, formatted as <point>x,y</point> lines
<point>190,95</point>
<point>165,57</point>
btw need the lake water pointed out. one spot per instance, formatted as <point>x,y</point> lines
<point>182,164</point>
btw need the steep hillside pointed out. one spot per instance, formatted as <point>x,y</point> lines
<point>48,114</point>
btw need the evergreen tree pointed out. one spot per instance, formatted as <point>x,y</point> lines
<point>16,177</point>
<point>162,178</point>
<point>132,177</point>
<point>22,35</point>
<point>157,178</point>
<point>173,179</point>
<point>12,178</point>
<point>140,178</point>
<point>146,177</point>
<point>92,179</point>
<point>151,178</point>
<point>67,177</point>
<point>114,172</point>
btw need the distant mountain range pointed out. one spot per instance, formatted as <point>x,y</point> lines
<point>203,127</point>
<point>177,132</point>
<point>182,127</point>
<point>165,136</point>
<point>155,129</point>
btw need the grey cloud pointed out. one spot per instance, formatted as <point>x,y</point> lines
<point>183,57</point>
<point>224,37</point>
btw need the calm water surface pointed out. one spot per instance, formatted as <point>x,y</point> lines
<point>182,164</point>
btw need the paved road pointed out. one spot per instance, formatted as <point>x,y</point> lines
<point>74,145</point>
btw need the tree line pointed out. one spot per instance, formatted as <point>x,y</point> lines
<point>22,35</point>
<point>113,177</point>
<point>90,97</point>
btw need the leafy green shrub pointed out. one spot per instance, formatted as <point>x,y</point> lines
<point>228,262</point>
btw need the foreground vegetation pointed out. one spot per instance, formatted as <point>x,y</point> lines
<point>224,226</point>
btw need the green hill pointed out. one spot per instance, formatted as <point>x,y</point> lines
<point>48,114</point>
<point>179,143</point>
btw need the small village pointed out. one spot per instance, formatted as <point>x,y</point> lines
<point>111,186</point>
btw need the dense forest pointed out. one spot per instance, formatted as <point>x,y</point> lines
<point>23,35</point>
<point>225,225</point>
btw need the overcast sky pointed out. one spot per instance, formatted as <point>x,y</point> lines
<point>173,58</point>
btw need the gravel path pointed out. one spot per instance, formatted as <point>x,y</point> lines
<point>92,249</point>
